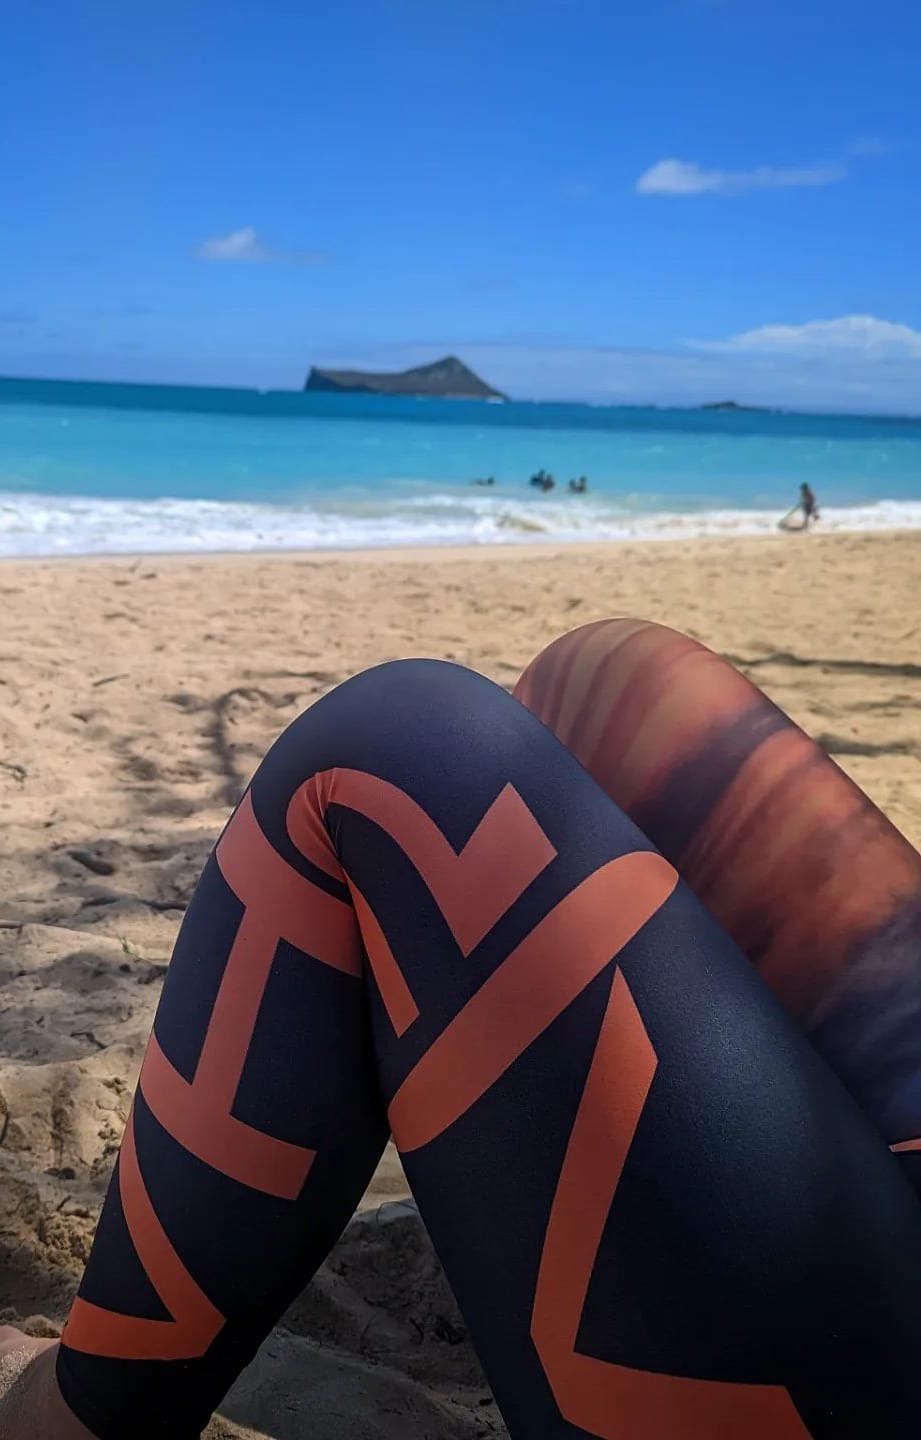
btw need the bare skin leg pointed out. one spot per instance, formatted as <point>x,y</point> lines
<point>30,1401</point>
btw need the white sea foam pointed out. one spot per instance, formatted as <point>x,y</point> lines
<point>55,525</point>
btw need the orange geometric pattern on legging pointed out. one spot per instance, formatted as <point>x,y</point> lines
<point>511,1009</point>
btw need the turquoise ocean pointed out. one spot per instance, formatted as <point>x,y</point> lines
<point>99,468</point>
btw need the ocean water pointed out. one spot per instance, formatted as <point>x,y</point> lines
<point>96,468</point>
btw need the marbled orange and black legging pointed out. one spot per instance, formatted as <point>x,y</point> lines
<point>665,1196</point>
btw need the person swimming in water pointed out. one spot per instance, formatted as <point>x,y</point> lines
<point>543,480</point>
<point>580,486</point>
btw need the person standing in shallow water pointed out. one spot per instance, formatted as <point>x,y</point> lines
<point>808,505</point>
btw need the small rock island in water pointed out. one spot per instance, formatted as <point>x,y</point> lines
<point>448,379</point>
<point>730,405</point>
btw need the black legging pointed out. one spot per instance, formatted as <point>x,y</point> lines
<point>662,1216</point>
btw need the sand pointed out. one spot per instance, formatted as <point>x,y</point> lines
<point>136,697</point>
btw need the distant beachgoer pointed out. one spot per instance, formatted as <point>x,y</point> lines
<point>490,480</point>
<point>580,486</point>
<point>803,513</point>
<point>538,478</point>
<point>547,483</point>
<point>808,505</point>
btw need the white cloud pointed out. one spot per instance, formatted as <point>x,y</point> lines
<point>685,177</point>
<point>242,244</point>
<point>246,245</point>
<point>849,337</point>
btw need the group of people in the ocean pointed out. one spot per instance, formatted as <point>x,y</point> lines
<point>807,505</point>
<point>543,480</point>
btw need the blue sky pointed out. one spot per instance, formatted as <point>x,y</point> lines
<point>672,201</point>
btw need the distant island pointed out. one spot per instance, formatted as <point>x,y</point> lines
<point>730,405</point>
<point>448,379</point>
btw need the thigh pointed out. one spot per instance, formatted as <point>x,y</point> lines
<point>814,884</point>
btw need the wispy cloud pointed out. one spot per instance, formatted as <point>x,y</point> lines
<point>17,317</point>
<point>247,246</point>
<point>242,244</point>
<point>850,336</point>
<point>686,177</point>
<point>869,147</point>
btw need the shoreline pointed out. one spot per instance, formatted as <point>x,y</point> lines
<point>34,525</point>
<point>405,554</point>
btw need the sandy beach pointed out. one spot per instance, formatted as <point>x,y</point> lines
<point>136,698</point>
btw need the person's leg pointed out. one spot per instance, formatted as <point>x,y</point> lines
<point>816,886</point>
<point>660,1212</point>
